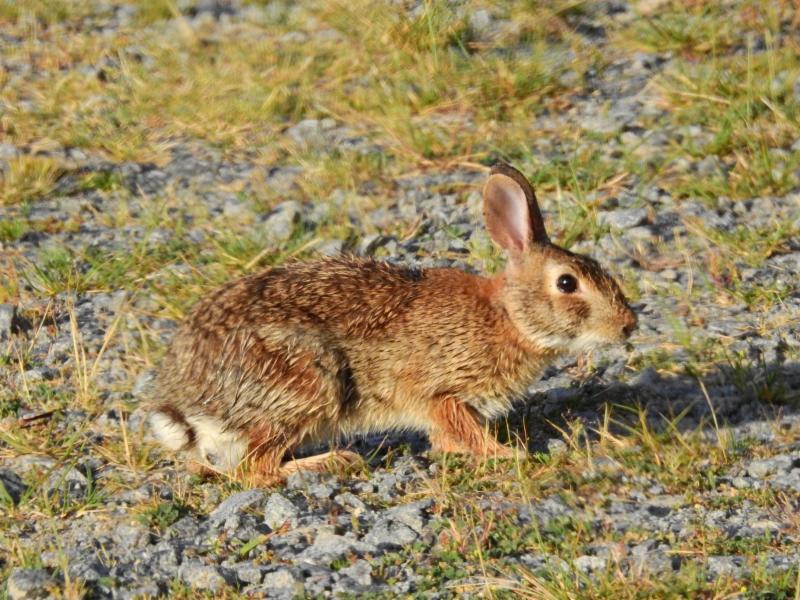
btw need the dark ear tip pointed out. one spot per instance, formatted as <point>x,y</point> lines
<point>503,168</point>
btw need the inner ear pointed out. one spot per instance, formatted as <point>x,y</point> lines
<point>505,210</point>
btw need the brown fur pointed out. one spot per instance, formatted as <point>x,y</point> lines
<point>457,427</point>
<point>306,352</point>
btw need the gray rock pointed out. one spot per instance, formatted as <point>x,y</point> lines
<point>27,584</point>
<point>131,536</point>
<point>661,506</point>
<point>606,465</point>
<point>214,8</point>
<point>768,466</point>
<point>623,218</point>
<point>390,534</point>
<point>310,131</point>
<point>544,563</point>
<point>360,572</point>
<point>330,248</point>
<point>650,557</point>
<point>413,514</point>
<point>328,546</point>
<point>600,123</point>
<point>281,579</point>
<point>590,564</point>
<point>741,483</point>
<point>302,480</point>
<point>201,576</point>
<point>158,237</point>
<point>640,234</point>
<point>7,313</point>
<point>235,505</point>
<point>288,545</point>
<point>280,511</point>
<point>68,480</point>
<point>280,223</point>
<point>719,566</point>
<point>556,447</point>
<point>322,490</point>
<point>710,165</point>
<point>629,138</point>
<point>281,180</point>
<point>11,485</point>
<point>385,484</point>
<point>550,508</point>
<point>350,501</point>
<point>146,589</point>
<point>787,481</point>
<point>249,572</point>
<point>87,569</point>
<point>165,557</point>
<point>8,151</point>
<point>480,22</point>
<point>31,376</point>
<point>143,384</point>
<point>237,209</point>
<point>648,377</point>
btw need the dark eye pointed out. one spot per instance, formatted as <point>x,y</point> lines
<point>566,284</point>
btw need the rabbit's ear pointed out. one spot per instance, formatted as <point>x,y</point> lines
<point>510,210</point>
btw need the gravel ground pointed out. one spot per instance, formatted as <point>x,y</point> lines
<point>93,509</point>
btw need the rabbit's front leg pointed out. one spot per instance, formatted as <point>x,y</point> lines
<point>458,428</point>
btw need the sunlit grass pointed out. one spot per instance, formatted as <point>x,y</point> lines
<point>28,178</point>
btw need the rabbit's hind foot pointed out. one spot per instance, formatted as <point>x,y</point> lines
<point>321,463</point>
<point>264,473</point>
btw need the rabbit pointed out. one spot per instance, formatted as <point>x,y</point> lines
<point>310,351</point>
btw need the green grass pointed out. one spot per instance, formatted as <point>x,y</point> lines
<point>162,515</point>
<point>12,229</point>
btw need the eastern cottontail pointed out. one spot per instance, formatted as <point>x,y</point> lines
<point>308,352</point>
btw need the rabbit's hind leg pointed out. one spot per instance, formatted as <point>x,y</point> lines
<point>270,467</point>
<point>302,389</point>
<point>267,447</point>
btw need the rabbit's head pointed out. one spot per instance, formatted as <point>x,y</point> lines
<point>557,299</point>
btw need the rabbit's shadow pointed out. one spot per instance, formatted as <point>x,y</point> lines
<point>749,398</point>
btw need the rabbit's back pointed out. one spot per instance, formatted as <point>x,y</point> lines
<point>367,342</point>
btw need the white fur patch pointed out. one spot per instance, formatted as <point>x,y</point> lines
<point>167,432</point>
<point>554,342</point>
<point>587,341</point>
<point>581,343</point>
<point>224,450</point>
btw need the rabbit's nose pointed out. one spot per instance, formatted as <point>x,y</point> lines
<point>629,325</point>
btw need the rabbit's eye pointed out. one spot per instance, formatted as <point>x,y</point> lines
<point>567,284</point>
